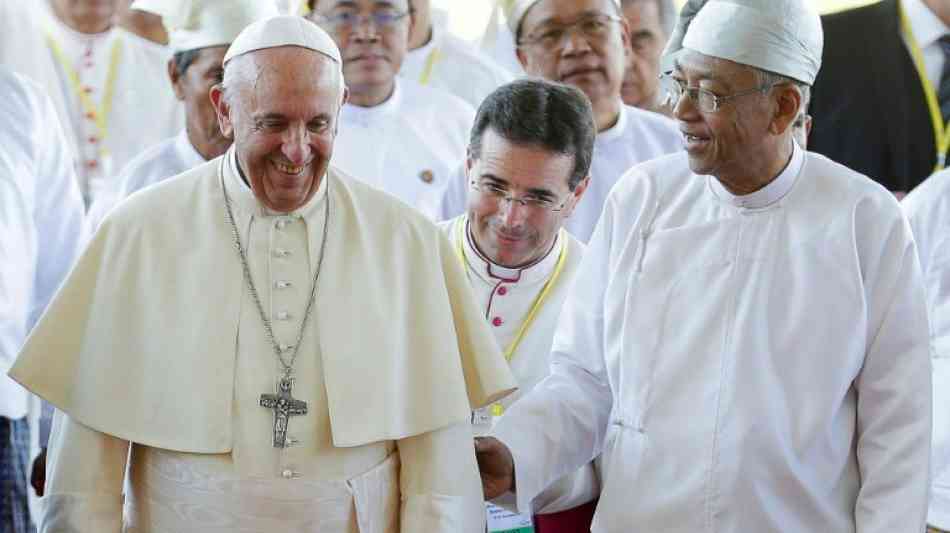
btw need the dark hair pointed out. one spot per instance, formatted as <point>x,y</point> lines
<point>541,113</point>
<point>184,59</point>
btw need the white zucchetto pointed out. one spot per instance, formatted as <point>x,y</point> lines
<point>194,24</point>
<point>780,36</point>
<point>284,30</point>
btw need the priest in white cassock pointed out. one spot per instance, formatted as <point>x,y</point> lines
<point>528,163</point>
<point>41,227</point>
<point>437,58</point>
<point>112,84</point>
<point>928,208</point>
<point>746,341</point>
<point>199,34</point>
<point>212,340</point>
<point>395,134</point>
<point>584,43</point>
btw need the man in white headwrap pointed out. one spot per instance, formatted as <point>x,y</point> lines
<point>584,43</point>
<point>396,134</point>
<point>436,58</point>
<point>200,33</point>
<point>747,341</point>
<point>243,339</point>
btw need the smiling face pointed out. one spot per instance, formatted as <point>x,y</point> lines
<point>508,233</point>
<point>192,87</point>
<point>372,52</point>
<point>742,142</point>
<point>595,66</point>
<point>280,107</point>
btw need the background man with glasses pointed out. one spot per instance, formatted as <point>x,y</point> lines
<point>650,22</point>
<point>528,163</point>
<point>584,43</point>
<point>746,343</point>
<point>395,134</point>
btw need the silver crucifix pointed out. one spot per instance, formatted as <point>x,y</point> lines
<point>284,406</point>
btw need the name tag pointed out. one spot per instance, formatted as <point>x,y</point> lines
<point>503,521</point>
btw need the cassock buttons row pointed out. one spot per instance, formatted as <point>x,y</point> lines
<point>497,321</point>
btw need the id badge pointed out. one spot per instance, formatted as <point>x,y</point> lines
<point>501,520</point>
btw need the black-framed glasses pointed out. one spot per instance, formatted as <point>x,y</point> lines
<point>594,28</point>
<point>347,21</point>
<point>704,99</point>
<point>495,193</point>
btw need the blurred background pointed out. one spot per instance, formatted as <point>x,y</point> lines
<point>468,18</point>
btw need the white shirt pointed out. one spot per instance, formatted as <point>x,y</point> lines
<point>143,111</point>
<point>41,219</point>
<point>637,136</point>
<point>156,164</point>
<point>928,208</point>
<point>742,365</point>
<point>507,297</point>
<point>449,63</point>
<point>928,29</point>
<point>407,146</point>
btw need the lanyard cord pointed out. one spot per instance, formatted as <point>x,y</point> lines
<point>99,113</point>
<point>941,131</point>
<point>460,226</point>
<point>434,57</point>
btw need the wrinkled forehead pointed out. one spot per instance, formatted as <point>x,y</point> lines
<point>699,66</point>
<point>286,72</point>
<point>368,5</point>
<point>559,11</point>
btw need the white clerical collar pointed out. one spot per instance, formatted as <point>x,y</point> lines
<point>925,24</point>
<point>490,272</point>
<point>369,115</point>
<point>771,193</point>
<point>617,129</point>
<point>243,199</point>
<point>190,155</point>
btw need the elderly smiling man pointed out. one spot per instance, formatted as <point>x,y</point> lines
<point>747,340</point>
<point>226,361</point>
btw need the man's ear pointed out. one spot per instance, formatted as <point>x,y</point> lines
<point>576,194</point>
<point>788,100</point>
<point>175,78</point>
<point>223,110</point>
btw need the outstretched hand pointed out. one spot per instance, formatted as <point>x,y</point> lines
<point>496,466</point>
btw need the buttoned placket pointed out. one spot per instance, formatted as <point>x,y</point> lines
<point>288,263</point>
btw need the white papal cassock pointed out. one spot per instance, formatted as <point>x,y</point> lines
<point>166,159</point>
<point>407,146</point>
<point>754,363</point>
<point>123,78</point>
<point>449,63</point>
<point>157,343</point>
<point>507,296</point>
<point>928,208</point>
<point>637,136</point>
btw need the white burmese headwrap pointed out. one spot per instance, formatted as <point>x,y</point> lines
<point>284,30</point>
<point>194,24</point>
<point>515,11</point>
<point>780,36</point>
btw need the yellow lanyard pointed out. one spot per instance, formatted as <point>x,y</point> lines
<point>434,57</point>
<point>538,301</point>
<point>99,113</point>
<point>941,130</point>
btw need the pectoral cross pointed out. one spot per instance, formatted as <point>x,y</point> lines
<point>284,406</point>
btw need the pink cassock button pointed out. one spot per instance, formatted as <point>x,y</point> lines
<point>502,291</point>
<point>497,321</point>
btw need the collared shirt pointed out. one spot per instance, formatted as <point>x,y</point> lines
<point>637,136</point>
<point>408,145</point>
<point>41,219</point>
<point>142,111</point>
<point>928,29</point>
<point>449,63</point>
<point>160,162</point>
<point>928,209</point>
<point>774,191</point>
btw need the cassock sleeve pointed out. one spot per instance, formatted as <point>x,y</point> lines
<point>439,482</point>
<point>85,471</point>
<point>894,385</point>
<point>560,425</point>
